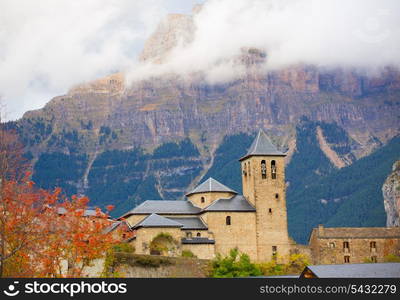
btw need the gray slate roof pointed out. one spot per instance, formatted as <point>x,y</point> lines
<point>358,232</point>
<point>211,185</point>
<point>197,240</point>
<point>375,270</point>
<point>155,220</point>
<point>236,203</point>
<point>262,145</point>
<point>164,207</point>
<point>192,223</point>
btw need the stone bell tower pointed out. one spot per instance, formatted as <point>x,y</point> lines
<point>263,180</point>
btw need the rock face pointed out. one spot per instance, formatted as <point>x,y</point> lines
<point>108,114</point>
<point>391,196</point>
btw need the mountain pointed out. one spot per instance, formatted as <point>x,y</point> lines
<point>391,196</point>
<point>159,136</point>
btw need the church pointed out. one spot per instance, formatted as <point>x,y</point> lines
<point>215,219</point>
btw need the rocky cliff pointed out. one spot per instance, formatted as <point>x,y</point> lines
<point>391,196</point>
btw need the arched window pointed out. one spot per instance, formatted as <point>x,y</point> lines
<point>273,169</point>
<point>202,199</point>
<point>228,220</point>
<point>277,196</point>
<point>270,210</point>
<point>188,235</point>
<point>198,234</point>
<point>263,169</point>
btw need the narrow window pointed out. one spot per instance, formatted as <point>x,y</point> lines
<point>188,235</point>
<point>203,200</point>
<point>372,245</point>
<point>228,220</point>
<point>245,169</point>
<point>273,169</point>
<point>277,196</point>
<point>274,250</point>
<point>347,259</point>
<point>373,259</point>
<point>346,246</point>
<point>270,210</point>
<point>263,169</point>
<point>198,234</point>
<point>249,170</point>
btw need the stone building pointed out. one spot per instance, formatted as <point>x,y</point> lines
<point>353,245</point>
<point>215,219</point>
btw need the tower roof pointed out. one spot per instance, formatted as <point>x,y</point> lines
<point>211,185</point>
<point>262,145</point>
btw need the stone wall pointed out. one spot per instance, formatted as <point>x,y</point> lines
<point>352,248</point>
<point>241,233</point>
<point>144,237</point>
<point>202,251</point>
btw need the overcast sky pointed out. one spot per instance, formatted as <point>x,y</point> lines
<point>47,46</point>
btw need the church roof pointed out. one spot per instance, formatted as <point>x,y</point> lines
<point>358,232</point>
<point>211,185</point>
<point>155,220</point>
<point>164,207</point>
<point>192,223</point>
<point>236,203</point>
<point>262,145</point>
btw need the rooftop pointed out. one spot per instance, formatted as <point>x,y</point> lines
<point>236,203</point>
<point>262,145</point>
<point>155,220</point>
<point>374,270</point>
<point>164,207</point>
<point>211,185</point>
<point>357,232</point>
<point>192,223</point>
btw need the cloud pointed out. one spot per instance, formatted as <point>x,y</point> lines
<point>363,34</point>
<point>47,46</point>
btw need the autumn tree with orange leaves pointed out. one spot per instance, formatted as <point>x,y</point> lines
<point>43,234</point>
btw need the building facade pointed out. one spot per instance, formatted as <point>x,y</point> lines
<point>342,245</point>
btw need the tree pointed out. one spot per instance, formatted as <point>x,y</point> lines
<point>234,265</point>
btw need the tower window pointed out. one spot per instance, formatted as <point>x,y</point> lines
<point>270,210</point>
<point>277,196</point>
<point>263,169</point>
<point>245,169</point>
<point>249,171</point>
<point>273,169</point>
<point>347,259</point>
<point>228,220</point>
<point>202,200</point>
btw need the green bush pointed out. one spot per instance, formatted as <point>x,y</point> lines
<point>391,258</point>
<point>234,265</point>
<point>188,253</point>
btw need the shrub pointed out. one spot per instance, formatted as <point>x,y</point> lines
<point>188,253</point>
<point>234,265</point>
<point>391,258</point>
